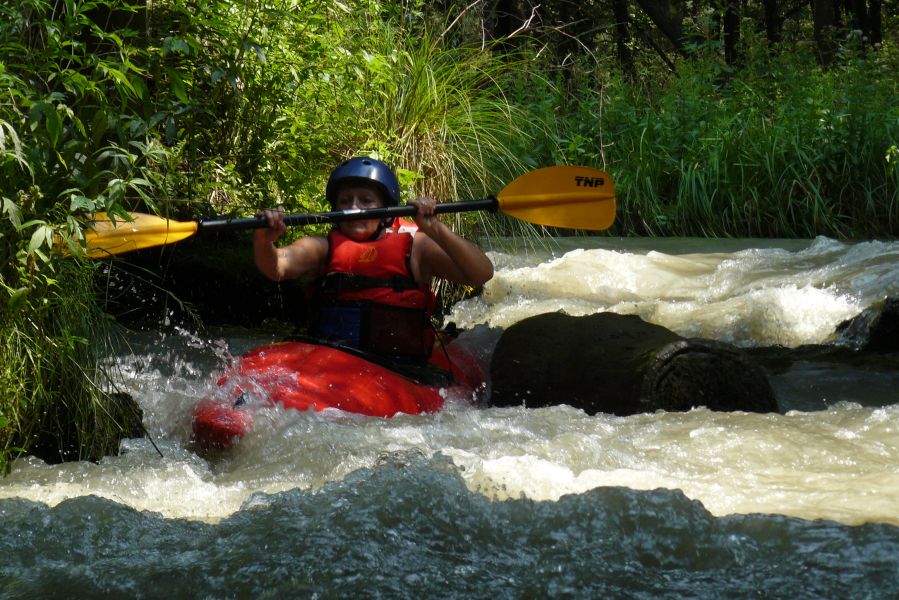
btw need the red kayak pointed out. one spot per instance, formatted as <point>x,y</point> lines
<point>311,374</point>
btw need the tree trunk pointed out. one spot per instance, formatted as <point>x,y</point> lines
<point>623,37</point>
<point>622,365</point>
<point>876,19</point>
<point>773,21</point>
<point>731,32</point>
<point>667,20</point>
<point>857,11</point>
<point>865,17</point>
<point>824,16</point>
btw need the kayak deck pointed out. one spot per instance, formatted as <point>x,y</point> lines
<point>314,375</point>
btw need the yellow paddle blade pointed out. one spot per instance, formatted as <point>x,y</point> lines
<point>105,238</point>
<point>564,196</point>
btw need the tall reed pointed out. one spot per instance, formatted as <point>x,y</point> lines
<point>437,111</point>
<point>778,148</point>
<point>440,114</point>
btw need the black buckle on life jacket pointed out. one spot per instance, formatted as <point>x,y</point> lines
<point>402,284</point>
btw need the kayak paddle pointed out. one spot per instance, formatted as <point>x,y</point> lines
<point>563,196</point>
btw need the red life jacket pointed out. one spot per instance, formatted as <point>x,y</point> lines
<point>369,299</point>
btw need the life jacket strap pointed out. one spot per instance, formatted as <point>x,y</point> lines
<point>335,282</point>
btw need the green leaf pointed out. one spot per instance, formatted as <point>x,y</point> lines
<point>218,74</point>
<point>140,88</point>
<point>7,132</point>
<point>54,126</point>
<point>120,78</point>
<point>260,52</point>
<point>43,235</point>
<point>99,125</point>
<point>177,86</point>
<point>78,124</point>
<point>80,202</point>
<point>117,211</point>
<point>13,212</point>
<point>43,257</point>
<point>31,223</point>
<point>156,119</point>
<point>171,131</point>
<point>35,114</point>
<point>175,45</point>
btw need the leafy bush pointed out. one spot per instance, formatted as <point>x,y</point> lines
<point>72,143</point>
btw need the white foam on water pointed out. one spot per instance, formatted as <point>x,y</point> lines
<point>838,463</point>
<point>750,297</point>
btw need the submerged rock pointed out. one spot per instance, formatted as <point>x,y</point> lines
<point>622,365</point>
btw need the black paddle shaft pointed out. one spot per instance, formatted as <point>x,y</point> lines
<point>337,216</point>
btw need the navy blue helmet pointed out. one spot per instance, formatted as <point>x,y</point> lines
<point>364,170</point>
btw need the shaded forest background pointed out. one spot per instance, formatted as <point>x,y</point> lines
<point>771,118</point>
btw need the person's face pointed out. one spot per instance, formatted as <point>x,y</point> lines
<point>358,196</point>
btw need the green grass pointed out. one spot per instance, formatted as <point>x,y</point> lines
<point>795,151</point>
<point>57,399</point>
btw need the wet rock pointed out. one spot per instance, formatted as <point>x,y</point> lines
<point>622,365</point>
<point>699,372</point>
<point>210,279</point>
<point>64,435</point>
<point>876,329</point>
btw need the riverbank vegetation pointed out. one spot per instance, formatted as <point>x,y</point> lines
<point>714,119</point>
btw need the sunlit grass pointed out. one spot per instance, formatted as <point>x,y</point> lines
<point>441,112</point>
<point>803,156</point>
<point>441,116</point>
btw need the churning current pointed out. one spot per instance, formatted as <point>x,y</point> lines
<point>513,502</point>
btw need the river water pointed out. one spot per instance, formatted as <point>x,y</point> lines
<point>486,502</point>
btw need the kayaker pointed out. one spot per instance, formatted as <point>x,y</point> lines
<point>371,284</point>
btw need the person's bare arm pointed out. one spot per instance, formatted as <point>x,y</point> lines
<point>303,258</point>
<point>439,252</point>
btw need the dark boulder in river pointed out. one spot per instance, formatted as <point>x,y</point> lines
<point>622,365</point>
<point>65,432</point>
<point>875,329</point>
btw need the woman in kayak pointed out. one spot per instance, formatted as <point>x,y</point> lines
<point>372,284</point>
